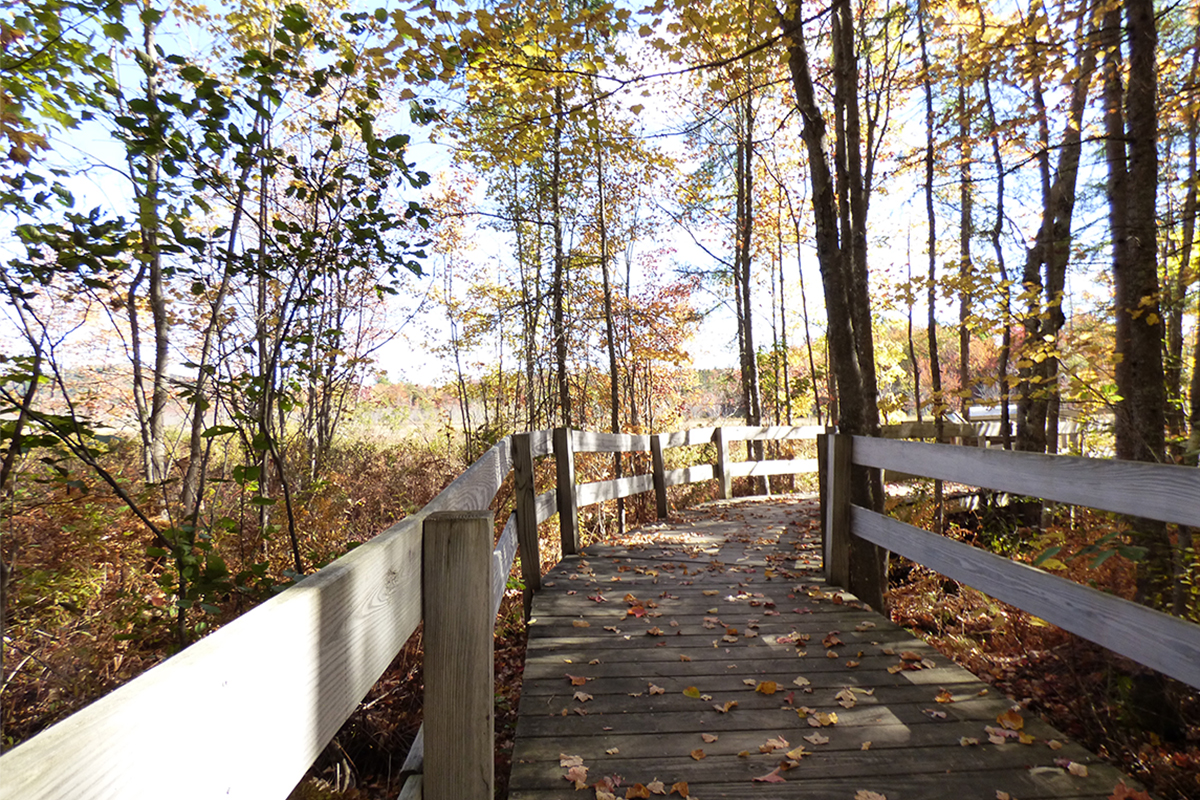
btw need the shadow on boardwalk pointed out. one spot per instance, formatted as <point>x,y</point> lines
<point>651,662</point>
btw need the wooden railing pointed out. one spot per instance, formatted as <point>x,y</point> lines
<point>1154,491</point>
<point>244,712</point>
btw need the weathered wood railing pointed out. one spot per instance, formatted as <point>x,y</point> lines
<point>1153,491</point>
<point>251,706</point>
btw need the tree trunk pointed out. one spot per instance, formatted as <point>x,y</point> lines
<point>851,346</point>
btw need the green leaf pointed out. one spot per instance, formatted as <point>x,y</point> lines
<point>1132,552</point>
<point>1047,555</point>
<point>218,430</point>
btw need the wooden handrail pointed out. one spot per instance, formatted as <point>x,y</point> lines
<point>1163,492</point>
<point>259,699</point>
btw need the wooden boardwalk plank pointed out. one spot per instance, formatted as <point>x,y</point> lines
<point>645,653</point>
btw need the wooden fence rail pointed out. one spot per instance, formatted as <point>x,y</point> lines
<point>1154,491</point>
<point>258,700</point>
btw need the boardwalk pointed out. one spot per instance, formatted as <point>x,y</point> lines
<point>652,663</point>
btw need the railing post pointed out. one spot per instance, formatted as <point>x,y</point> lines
<point>722,467</point>
<point>822,483</point>
<point>660,473</point>
<point>459,674</point>
<point>568,512</point>
<point>837,510</point>
<point>527,523</point>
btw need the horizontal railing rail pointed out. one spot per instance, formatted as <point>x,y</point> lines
<point>1155,491</point>
<point>257,701</point>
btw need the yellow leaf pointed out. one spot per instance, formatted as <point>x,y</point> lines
<point>692,692</point>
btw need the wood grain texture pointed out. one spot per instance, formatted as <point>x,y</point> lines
<point>594,442</point>
<point>502,561</point>
<point>526,511</point>
<point>928,430</point>
<point>739,469</point>
<point>1162,642</point>
<point>547,505</point>
<point>837,510</point>
<point>568,508</point>
<point>541,443</point>
<point>659,465</point>
<point>711,565</point>
<point>458,669</point>
<point>290,671</point>
<point>1155,491</point>
<point>772,433</point>
<point>588,493</point>
<point>476,488</point>
<point>694,474</point>
<point>692,437</point>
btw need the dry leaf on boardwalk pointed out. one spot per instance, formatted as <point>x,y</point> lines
<point>698,754</point>
<point>576,680</point>
<point>657,689</point>
<point>863,794</point>
<point>771,777</point>
<point>709,738</point>
<point>637,790</point>
<point>680,788</point>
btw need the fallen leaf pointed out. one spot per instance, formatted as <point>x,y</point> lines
<point>724,709</point>
<point>612,751</point>
<point>710,592</point>
<point>582,696</point>
<point>934,713</point>
<point>581,623</point>
<point>637,790</point>
<point>577,680</point>
<point>680,788</point>
<point>603,794</point>
<point>692,692</point>
<point>565,760</point>
<point>909,655</point>
<point>771,777</point>
<point>852,664</point>
<point>773,744</point>
<point>968,741</point>
<point>944,696</point>
<point>1026,738</point>
<point>1011,720</point>
<point>1003,795</point>
<point>846,698</point>
<point>817,738</point>
<point>865,746</point>
<point>578,775</point>
<point>655,631</point>
<point>832,640</point>
<point>709,737</point>
<point>1123,792</point>
<point>657,689</point>
<point>698,754</point>
<point>1054,744</point>
<point>766,687</point>
<point>821,719</point>
<point>593,662</point>
<point>863,794</point>
<point>749,681</point>
<point>798,753</point>
<point>612,628</point>
<point>685,658</point>
<point>656,787</point>
<point>800,680</point>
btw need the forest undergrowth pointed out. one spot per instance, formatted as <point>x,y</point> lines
<point>1146,725</point>
<point>88,614</point>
